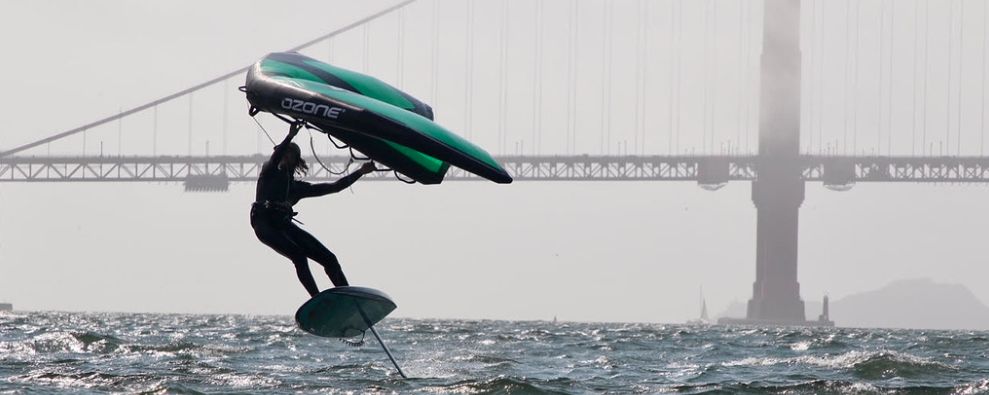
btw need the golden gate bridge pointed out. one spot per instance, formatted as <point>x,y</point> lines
<point>778,93</point>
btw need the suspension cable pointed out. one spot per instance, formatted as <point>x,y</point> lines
<point>679,68</point>
<point>927,72</point>
<point>845,76</point>
<point>643,93</point>
<point>889,92</point>
<point>572,85</point>
<point>985,41</point>
<point>916,62</point>
<point>819,26</point>
<point>881,79</point>
<point>961,65</point>
<point>855,78</point>
<point>605,135</point>
<point>741,79</point>
<point>672,61</point>
<point>947,110</point>
<point>706,92</point>
<point>537,98</point>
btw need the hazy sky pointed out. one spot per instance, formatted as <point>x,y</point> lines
<point>579,251</point>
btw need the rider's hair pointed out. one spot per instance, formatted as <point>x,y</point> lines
<point>301,167</point>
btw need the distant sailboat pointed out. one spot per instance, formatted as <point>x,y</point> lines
<point>703,320</point>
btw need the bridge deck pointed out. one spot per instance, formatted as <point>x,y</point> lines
<point>703,169</point>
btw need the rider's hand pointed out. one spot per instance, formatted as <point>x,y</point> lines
<point>295,128</point>
<point>368,168</point>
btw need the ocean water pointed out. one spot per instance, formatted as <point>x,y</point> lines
<point>49,352</point>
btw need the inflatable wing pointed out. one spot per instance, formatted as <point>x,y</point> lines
<point>371,116</point>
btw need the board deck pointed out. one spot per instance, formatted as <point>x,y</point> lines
<point>343,312</point>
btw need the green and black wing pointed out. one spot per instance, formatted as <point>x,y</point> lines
<point>378,120</point>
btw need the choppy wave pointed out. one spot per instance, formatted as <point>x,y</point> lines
<point>192,354</point>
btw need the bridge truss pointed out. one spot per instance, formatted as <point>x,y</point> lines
<point>706,170</point>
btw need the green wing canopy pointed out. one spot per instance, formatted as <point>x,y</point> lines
<point>373,117</point>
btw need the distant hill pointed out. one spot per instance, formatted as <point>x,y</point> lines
<point>915,303</point>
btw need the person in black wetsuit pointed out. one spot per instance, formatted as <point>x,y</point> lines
<point>271,213</point>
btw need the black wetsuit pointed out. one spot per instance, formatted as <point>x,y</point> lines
<point>271,218</point>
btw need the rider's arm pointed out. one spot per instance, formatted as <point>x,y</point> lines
<point>305,190</point>
<point>280,149</point>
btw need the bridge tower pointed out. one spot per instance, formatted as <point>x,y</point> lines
<point>778,191</point>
